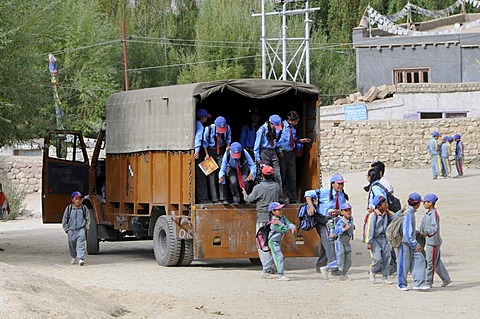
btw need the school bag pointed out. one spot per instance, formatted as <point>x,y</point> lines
<point>394,231</point>
<point>307,222</point>
<point>394,203</point>
<point>261,237</point>
<point>365,220</point>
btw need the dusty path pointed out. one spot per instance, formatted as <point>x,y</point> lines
<point>125,281</point>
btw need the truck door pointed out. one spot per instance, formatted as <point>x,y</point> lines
<point>65,170</point>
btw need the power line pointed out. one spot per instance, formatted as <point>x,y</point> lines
<point>85,47</point>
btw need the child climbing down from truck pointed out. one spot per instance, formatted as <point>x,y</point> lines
<point>279,225</point>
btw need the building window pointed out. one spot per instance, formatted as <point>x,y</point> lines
<point>421,75</point>
<point>442,115</point>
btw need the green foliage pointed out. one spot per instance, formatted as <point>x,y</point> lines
<point>15,197</point>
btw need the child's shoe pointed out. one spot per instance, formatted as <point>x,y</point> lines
<point>324,272</point>
<point>73,261</point>
<point>265,275</point>
<point>446,283</point>
<point>372,277</point>
<point>344,278</point>
<point>403,288</point>
<point>386,281</point>
<point>283,278</point>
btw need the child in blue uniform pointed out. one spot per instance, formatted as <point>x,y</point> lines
<point>430,229</point>
<point>344,232</point>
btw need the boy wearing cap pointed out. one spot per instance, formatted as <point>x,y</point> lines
<point>324,204</point>
<point>248,132</point>
<point>76,221</point>
<point>433,148</point>
<point>430,229</point>
<point>445,153</point>
<point>344,232</point>
<point>217,137</point>
<point>236,164</point>
<point>278,227</point>
<point>410,256</point>
<point>287,159</point>
<point>266,145</point>
<point>376,240</point>
<point>459,152</point>
<point>264,193</point>
<point>201,192</point>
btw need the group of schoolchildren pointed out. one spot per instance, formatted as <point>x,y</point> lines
<point>273,143</point>
<point>418,252</point>
<point>441,150</point>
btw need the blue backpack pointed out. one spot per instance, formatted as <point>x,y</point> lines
<point>307,222</point>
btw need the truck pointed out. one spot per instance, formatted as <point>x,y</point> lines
<point>139,181</point>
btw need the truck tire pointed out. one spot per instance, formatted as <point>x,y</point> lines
<point>186,254</point>
<point>93,245</point>
<point>255,261</point>
<point>166,247</point>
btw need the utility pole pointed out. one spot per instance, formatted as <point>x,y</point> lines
<point>52,65</point>
<point>293,56</point>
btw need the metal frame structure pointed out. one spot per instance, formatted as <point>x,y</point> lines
<point>274,49</point>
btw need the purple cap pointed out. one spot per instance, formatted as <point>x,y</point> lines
<point>457,136</point>
<point>337,178</point>
<point>76,194</point>
<point>276,121</point>
<point>274,205</point>
<point>221,124</point>
<point>345,206</point>
<point>236,150</point>
<point>414,198</point>
<point>377,200</point>
<point>436,133</point>
<point>430,198</point>
<point>203,113</point>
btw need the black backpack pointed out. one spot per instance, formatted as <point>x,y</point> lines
<point>261,237</point>
<point>394,203</point>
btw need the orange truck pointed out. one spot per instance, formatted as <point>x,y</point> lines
<point>140,181</point>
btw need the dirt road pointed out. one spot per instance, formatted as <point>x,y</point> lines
<point>36,280</point>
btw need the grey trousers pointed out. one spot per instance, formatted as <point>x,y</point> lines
<point>277,256</point>
<point>412,261</point>
<point>201,191</point>
<point>77,243</point>
<point>265,256</point>
<point>435,265</point>
<point>344,257</point>
<point>288,171</point>
<point>269,157</point>
<point>233,179</point>
<point>215,188</point>
<point>327,253</point>
<point>381,256</point>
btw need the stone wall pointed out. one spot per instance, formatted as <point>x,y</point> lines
<point>397,143</point>
<point>22,171</point>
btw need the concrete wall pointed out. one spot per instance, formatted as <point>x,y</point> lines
<point>410,99</point>
<point>399,144</point>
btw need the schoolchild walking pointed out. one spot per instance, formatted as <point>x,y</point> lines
<point>264,193</point>
<point>344,232</point>
<point>433,148</point>
<point>430,229</point>
<point>278,227</point>
<point>75,222</point>
<point>459,153</point>
<point>376,240</point>
<point>410,256</point>
<point>218,138</point>
<point>266,145</point>
<point>324,204</point>
<point>239,168</point>
<point>445,153</point>
<point>287,158</point>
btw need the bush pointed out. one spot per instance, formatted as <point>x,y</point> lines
<point>15,198</point>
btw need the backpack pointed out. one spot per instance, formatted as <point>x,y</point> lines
<point>394,203</point>
<point>365,220</point>
<point>84,210</point>
<point>261,237</point>
<point>394,231</point>
<point>307,222</point>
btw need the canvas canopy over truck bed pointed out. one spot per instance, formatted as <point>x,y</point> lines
<point>144,187</point>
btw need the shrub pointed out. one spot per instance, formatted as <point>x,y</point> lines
<point>15,198</point>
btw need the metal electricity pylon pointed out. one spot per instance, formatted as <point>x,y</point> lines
<point>293,58</point>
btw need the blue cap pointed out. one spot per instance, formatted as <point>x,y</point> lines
<point>202,113</point>
<point>436,133</point>
<point>450,139</point>
<point>457,136</point>
<point>377,200</point>
<point>236,150</point>
<point>345,206</point>
<point>76,194</point>
<point>276,121</point>
<point>337,178</point>
<point>221,124</point>
<point>274,205</point>
<point>446,138</point>
<point>430,198</point>
<point>414,198</point>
